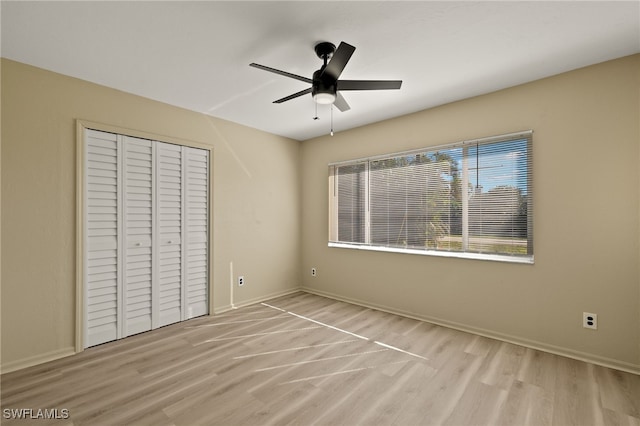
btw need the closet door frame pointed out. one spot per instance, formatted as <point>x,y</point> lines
<point>81,189</point>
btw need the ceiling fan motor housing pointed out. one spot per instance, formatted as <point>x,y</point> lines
<point>323,84</point>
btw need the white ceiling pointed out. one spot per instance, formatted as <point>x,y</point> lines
<point>196,55</point>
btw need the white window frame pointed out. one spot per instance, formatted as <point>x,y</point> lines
<point>466,253</point>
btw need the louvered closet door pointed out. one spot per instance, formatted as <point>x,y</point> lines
<point>196,164</point>
<point>146,235</point>
<point>138,226</point>
<point>169,233</point>
<point>101,238</point>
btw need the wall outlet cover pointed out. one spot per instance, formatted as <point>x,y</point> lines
<point>590,320</point>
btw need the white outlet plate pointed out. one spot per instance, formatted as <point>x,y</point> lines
<point>590,320</point>
<point>240,281</point>
<point>314,272</point>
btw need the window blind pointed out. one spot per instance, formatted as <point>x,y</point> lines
<point>470,197</point>
<point>351,218</point>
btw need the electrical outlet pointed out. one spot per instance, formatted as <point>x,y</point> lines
<point>240,281</point>
<point>314,272</point>
<point>590,320</point>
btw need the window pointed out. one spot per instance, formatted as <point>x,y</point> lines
<point>472,199</point>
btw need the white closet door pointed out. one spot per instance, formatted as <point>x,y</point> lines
<point>101,238</point>
<point>138,225</point>
<point>146,235</point>
<point>169,233</point>
<point>196,164</point>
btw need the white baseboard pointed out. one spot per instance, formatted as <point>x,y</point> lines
<point>37,359</point>
<point>569,353</point>
<point>61,353</point>
<point>556,350</point>
<point>253,301</point>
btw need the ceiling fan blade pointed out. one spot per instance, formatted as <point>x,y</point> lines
<point>368,84</point>
<point>284,73</point>
<point>295,95</point>
<point>341,103</point>
<point>339,60</point>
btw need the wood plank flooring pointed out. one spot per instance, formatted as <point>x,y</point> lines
<point>308,360</point>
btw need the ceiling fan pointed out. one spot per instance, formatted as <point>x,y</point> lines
<point>325,84</point>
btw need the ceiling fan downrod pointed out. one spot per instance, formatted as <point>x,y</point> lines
<point>325,51</point>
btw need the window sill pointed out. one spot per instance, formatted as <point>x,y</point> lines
<point>458,255</point>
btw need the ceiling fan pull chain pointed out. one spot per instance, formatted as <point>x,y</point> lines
<point>331,106</point>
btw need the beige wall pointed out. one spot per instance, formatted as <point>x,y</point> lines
<point>256,203</point>
<point>586,219</point>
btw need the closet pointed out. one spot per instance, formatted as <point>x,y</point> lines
<point>146,233</point>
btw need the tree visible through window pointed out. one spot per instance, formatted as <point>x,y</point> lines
<point>471,197</point>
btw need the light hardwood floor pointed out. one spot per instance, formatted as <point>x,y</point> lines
<point>304,359</point>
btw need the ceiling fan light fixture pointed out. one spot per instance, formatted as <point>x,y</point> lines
<point>324,98</point>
